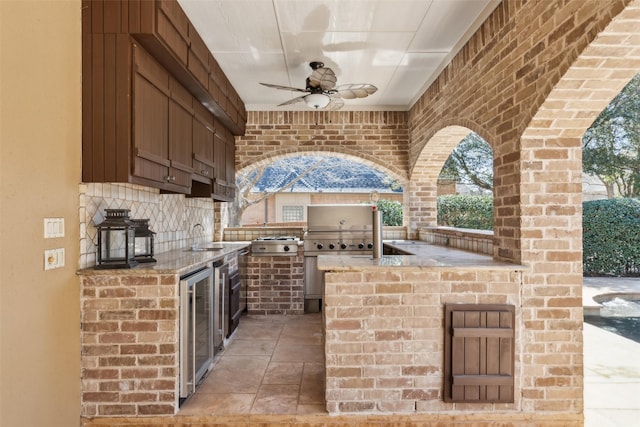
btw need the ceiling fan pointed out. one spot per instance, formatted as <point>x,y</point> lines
<point>321,90</point>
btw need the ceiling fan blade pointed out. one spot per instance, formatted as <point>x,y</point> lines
<point>336,102</point>
<point>284,87</point>
<point>324,78</point>
<point>358,90</point>
<point>293,101</point>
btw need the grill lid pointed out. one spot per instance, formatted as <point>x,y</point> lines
<point>339,218</point>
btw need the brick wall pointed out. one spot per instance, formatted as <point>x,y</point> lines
<point>275,284</point>
<point>385,336</point>
<point>376,138</point>
<point>129,345</point>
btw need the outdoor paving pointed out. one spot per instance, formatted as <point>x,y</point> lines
<point>612,364</point>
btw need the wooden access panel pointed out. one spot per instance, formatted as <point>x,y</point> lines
<point>479,353</point>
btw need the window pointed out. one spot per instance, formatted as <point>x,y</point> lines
<point>292,213</point>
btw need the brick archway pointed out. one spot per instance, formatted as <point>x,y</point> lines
<point>420,194</point>
<point>377,138</point>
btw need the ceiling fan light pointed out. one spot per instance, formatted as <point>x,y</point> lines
<point>316,100</point>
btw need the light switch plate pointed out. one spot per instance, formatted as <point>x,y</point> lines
<point>53,258</point>
<point>53,227</point>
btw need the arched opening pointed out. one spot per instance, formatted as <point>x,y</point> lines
<point>277,190</point>
<point>422,190</point>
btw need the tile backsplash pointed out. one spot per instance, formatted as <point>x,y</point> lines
<point>171,216</point>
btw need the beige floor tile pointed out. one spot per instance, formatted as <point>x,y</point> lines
<point>283,373</point>
<point>218,404</point>
<point>247,347</point>
<point>276,399</point>
<point>298,353</point>
<point>237,374</point>
<point>312,387</point>
<point>272,365</point>
<point>259,331</point>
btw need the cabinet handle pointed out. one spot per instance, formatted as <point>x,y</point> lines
<point>204,172</point>
<point>170,178</point>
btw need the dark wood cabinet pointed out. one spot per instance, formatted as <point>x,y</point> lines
<point>198,58</point>
<point>163,28</point>
<point>180,134</point>
<point>161,114</point>
<point>224,171</point>
<point>203,136</point>
<point>149,117</point>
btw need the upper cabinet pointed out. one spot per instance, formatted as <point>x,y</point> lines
<point>162,27</point>
<point>153,101</point>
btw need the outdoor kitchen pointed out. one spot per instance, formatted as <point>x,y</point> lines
<point>160,108</point>
<point>376,297</point>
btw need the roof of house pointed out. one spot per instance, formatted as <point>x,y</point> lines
<point>322,174</point>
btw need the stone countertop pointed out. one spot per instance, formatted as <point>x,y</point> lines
<point>420,255</point>
<point>179,261</point>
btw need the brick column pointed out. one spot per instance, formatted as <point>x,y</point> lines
<point>275,284</point>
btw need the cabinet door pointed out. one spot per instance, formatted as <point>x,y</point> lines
<point>230,168</point>
<point>180,134</point>
<point>198,62</point>
<point>150,118</point>
<point>220,159</point>
<point>203,134</point>
<point>173,28</point>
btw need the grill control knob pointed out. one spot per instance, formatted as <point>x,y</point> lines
<point>370,245</point>
<point>319,246</point>
<point>332,246</point>
<point>360,245</point>
<point>286,249</point>
<point>343,246</point>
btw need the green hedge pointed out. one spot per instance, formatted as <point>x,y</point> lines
<point>463,211</point>
<point>611,237</point>
<point>391,212</point>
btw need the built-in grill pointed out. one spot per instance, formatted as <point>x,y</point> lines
<point>333,230</point>
<point>275,246</point>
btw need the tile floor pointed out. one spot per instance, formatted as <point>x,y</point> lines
<point>272,365</point>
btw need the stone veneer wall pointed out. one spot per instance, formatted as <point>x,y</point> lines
<point>172,216</point>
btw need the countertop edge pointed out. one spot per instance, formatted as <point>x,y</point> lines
<point>177,261</point>
<point>422,256</point>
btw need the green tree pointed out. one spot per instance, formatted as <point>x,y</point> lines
<point>471,162</point>
<point>391,212</point>
<point>611,146</point>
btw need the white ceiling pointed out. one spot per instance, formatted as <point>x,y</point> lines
<point>400,46</point>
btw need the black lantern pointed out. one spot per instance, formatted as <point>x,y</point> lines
<point>116,236</point>
<point>143,247</point>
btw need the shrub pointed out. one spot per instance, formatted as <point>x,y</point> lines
<point>611,242</point>
<point>464,211</point>
<point>391,212</point>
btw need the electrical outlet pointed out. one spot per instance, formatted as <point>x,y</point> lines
<point>53,258</point>
<point>53,227</point>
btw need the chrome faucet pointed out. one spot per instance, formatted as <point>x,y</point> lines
<point>194,246</point>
